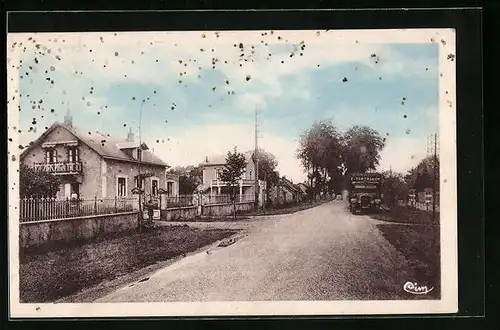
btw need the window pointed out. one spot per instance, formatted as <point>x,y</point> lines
<point>154,187</point>
<point>121,183</point>
<point>73,155</point>
<point>170,188</point>
<point>250,175</point>
<point>139,154</point>
<point>51,155</point>
<point>217,173</point>
<point>140,184</point>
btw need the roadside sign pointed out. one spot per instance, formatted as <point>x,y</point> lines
<point>156,214</point>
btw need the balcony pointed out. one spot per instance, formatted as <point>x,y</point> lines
<point>244,182</point>
<point>59,167</point>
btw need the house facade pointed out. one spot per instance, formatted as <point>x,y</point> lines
<point>94,165</point>
<point>213,186</point>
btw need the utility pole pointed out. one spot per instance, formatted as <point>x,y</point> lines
<point>256,156</point>
<point>434,177</point>
<point>432,149</point>
<point>139,160</point>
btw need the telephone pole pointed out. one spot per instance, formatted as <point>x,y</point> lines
<point>256,157</point>
<point>139,159</point>
<point>432,149</point>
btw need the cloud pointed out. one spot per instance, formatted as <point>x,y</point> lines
<point>141,57</point>
<point>192,146</point>
<point>403,153</point>
<point>147,60</point>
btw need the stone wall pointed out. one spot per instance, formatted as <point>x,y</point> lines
<point>36,233</point>
<point>225,209</point>
<point>180,213</point>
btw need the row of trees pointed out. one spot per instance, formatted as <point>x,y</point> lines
<point>329,155</point>
<point>396,186</point>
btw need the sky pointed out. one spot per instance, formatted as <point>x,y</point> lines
<point>199,90</point>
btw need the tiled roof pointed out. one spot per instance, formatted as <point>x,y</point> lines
<point>106,146</point>
<point>290,185</point>
<point>221,159</point>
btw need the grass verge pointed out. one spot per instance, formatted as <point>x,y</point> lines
<point>58,270</point>
<point>407,215</point>
<point>421,247</point>
<point>287,209</point>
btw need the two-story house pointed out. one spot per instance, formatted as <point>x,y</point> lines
<point>213,166</point>
<point>96,165</point>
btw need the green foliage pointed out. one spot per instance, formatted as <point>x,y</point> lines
<point>233,171</point>
<point>320,151</point>
<point>190,177</point>
<point>393,187</point>
<point>37,184</point>
<point>267,167</point>
<point>421,176</point>
<point>327,155</point>
<point>267,171</point>
<point>362,146</point>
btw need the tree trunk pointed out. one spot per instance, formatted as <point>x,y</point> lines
<point>268,195</point>
<point>234,208</point>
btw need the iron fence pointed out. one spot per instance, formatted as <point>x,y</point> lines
<point>179,201</point>
<point>226,199</point>
<point>38,209</point>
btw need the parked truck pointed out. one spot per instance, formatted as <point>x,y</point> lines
<point>364,192</point>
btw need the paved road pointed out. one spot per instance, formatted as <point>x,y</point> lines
<point>323,253</point>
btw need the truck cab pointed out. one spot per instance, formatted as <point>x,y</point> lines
<point>364,193</point>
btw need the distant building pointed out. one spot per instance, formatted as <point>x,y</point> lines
<point>213,186</point>
<point>96,165</point>
<point>285,192</point>
<point>303,188</point>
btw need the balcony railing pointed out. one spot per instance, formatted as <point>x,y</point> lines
<point>244,182</point>
<point>59,167</point>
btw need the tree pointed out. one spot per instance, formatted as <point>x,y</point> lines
<point>421,176</point>
<point>267,170</point>
<point>37,184</point>
<point>393,187</point>
<point>361,149</point>
<point>320,151</point>
<point>232,173</point>
<point>190,177</point>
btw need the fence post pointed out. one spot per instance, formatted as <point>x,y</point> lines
<point>200,203</point>
<point>95,204</point>
<point>67,208</point>
<point>116,206</point>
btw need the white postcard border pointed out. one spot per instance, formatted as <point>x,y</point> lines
<point>448,204</point>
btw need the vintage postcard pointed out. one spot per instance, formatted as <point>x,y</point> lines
<point>232,173</point>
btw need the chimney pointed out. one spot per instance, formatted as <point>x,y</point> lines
<point>68,119</point>
<point>206,159</point>
<point>130,136</point>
